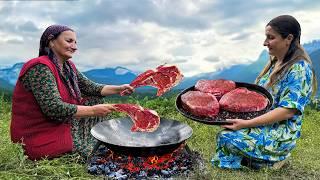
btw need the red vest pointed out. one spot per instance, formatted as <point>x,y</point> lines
<point>40,136</point>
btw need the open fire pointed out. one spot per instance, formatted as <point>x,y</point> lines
<point>124,166</point>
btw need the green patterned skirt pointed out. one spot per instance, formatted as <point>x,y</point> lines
<point>83,141</point>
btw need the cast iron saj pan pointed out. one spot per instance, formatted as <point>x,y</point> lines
<point>118,137</point>
<point>220,119</point>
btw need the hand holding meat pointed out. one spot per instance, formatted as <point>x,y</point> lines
<point>102,109</point>
<point>125,89</point>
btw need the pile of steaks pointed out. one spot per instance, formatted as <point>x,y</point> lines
<point>212,96</point>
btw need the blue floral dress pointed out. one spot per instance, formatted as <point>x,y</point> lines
<point>270,143</point>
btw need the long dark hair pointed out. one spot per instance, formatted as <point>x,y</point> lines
<point>286,25</point>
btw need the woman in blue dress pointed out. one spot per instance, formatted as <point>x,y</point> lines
<point>267,140</point>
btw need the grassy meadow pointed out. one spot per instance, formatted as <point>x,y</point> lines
<point>303,164</point>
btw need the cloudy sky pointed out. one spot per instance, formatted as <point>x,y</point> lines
<point>197,35</point>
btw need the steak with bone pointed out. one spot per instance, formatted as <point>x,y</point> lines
<point>216,87</point>
<point>163,78</point>
<point>243,100</point>
<point>200,104</point>
<point>145,120</point>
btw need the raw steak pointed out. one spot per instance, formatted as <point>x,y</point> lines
<point>200,103</point>
<point>145,120</point>
<point>216,87</point>
<point>163,78</point>
<point>243,100</point>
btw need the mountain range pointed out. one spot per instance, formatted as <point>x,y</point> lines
<point>117,75</point>
<point>241,73</point>
<point>122,75</point>
<point>9,76</point>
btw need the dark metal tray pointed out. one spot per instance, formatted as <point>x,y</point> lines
<point>220,119</point>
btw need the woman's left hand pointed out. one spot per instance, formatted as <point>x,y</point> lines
<point>236,124</point>
<point>125,89</point>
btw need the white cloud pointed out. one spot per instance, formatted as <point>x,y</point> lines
<point>143,34</point>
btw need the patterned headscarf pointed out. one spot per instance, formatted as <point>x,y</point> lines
<point>66,73</point>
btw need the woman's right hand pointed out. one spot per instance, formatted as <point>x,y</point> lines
<point>102,109</point>
<point>236,124</point>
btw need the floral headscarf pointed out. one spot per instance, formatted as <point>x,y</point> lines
<point>66,73</point>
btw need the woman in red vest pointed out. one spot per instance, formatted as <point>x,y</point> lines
<point>54,105</point>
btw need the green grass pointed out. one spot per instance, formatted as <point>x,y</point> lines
<point>303,164</point>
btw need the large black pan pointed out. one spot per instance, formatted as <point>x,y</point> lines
<point>117,136</point>
<point>220,119</point>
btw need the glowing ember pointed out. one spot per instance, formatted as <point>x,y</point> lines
<point>116,165</point>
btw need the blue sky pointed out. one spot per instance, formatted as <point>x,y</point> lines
<point>197,35</point>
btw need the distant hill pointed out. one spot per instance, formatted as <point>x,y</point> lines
<point>4,85</point>
<point>118,75</point>
<point>248,73</point>
<point>241,73</point>
<point>5,89</point>
<point>245,73</point>
<point>10,75</point>
<point>312,46</point>
<point>315,56</point>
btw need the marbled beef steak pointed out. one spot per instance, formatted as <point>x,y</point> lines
<point>243,100</point>
<point>145,120</point>
<point>163,78</point>
<point>216,87</point>
<point>200,103</point>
